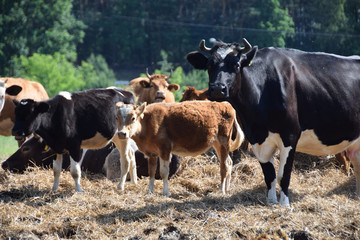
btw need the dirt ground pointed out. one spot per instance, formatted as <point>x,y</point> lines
<point>323,205</point>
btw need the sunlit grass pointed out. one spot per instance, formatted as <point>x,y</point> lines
<point>8,146</point>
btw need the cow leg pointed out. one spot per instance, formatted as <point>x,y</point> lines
<point>57,167</point>
<point>284,173</point>
<point>354,156</point>
<point>264,154</point>
<point>152,165</point>
<point>225,167</point>
<point>164,174</point>
<point>127,162</point>
<point>75,170</point>
<point>269,172</point>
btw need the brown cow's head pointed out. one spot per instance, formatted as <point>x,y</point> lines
<point>191,93</point>
<point>159,87</point>
<point>33,152</point>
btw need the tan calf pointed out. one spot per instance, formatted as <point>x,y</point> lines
<point>154,88</point>
<point>187,129</point>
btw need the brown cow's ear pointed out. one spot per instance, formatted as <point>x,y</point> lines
<point>145,84</point>
<point>173,87</point>
<point>140,110</point>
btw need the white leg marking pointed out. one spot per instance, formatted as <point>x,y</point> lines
<point>229,164</point>
<point>75,170</point>
<point>271,197</point>
<point>164,173</point>
<point>151,186</point>
<point>57,167</point>
<point>284,200</point>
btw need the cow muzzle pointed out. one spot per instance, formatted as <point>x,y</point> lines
<point>218,91</point>
<point>122,135</point>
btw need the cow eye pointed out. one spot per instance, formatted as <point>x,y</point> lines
<point>133,119</point>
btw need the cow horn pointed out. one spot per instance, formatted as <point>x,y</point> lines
<point>168,77</point>
<point>203,47</point>
<point>147,73</point>
<point>247,46</point>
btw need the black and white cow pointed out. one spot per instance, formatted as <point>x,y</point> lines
<point>71,121</point>
<point>289,100</point>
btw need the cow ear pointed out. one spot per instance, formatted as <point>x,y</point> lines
<point>16,102</point>
<point>145,84</point>
<point>140,110</point>
<point>13,90</point>
<point>173,87</point>
<point>198,60</point>
<point>42,107</point>
<point>248,57</point>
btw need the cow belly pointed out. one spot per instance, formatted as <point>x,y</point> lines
<point>309,143</point>
<point>96,142</point>
<point>5,127</point>
<point>187,152</point>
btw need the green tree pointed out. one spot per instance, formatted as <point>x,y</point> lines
<point>54,72</point>
<point>96,73</point>
<point>37,26</point>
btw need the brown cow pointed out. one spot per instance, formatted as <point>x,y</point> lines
<point>190,93</point>
<point>30,89</point>
<point>12,90</point>
<point>188,129</point>
<point>154,88</point>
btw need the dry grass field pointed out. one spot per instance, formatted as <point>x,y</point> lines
<point>323,205</point>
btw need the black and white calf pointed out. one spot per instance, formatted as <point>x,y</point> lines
<point>288,100</point>
<point>71,121</point>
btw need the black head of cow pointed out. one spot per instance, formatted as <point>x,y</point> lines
<point>33,152</point>
<point>27,118</point>
<point>224,65</point>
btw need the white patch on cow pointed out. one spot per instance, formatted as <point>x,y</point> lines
<point>65,94</point>
<point>266,150</point>
<point>223,52</point>
<point>5,127</point>
<point>309,143</point>
<point>125,110</point>
<point>96,142</point>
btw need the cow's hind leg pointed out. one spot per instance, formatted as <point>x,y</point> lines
<point>354,156</point>
<point>152,165</point>
<point>75,170</point>
<point>225,167</point>
<point>57,167</point>
<point>164,173</point>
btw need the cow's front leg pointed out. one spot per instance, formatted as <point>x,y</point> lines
<point>284,173</point>
<point>269,172</point>
<point>57,167</point>
<point>164,173</point>
<point>152,165</point>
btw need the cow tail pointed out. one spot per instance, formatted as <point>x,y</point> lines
<point>240,137</point>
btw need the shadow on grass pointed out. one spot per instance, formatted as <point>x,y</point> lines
<point>32,196</point>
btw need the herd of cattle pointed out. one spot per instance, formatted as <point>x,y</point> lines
<point>273,98</point>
